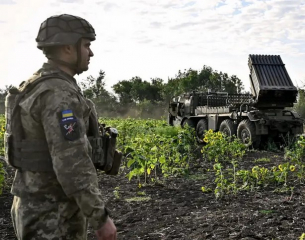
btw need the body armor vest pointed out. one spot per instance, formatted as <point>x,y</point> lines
<point>33,155</point>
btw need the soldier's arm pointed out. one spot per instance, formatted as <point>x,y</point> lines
<point>65,131</point>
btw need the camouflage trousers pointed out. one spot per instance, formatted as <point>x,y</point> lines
<point>43,219</point>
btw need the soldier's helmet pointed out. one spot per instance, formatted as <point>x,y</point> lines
<point>63,29</point>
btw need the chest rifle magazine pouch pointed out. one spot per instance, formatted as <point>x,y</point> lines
<point>97,152</point>
<point>95,137</point>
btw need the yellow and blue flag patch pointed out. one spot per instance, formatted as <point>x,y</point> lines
<point>69,126</point>
<point>67,113</point>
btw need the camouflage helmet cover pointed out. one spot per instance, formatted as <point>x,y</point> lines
<point>63,29</point>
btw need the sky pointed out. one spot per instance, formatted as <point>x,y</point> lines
<point>157,38</point>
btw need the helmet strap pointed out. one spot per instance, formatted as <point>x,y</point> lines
<point>75,67</point>
<point>79,56</point>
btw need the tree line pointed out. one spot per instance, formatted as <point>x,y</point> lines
<point>137,97</point>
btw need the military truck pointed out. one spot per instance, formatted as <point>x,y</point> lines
<point>252,117</point>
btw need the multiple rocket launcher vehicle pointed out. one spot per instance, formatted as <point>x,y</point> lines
<point>251,117</point>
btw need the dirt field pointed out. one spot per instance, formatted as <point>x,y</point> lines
<point>178,209</point>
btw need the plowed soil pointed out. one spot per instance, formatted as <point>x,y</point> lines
<point>176,208</point>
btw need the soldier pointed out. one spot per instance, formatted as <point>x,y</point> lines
<point>55,188</point>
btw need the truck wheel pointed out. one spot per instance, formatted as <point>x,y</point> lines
<point>246,133</point>
<point>228,127</point>
<point>201,127</point>
<point>187,122</point>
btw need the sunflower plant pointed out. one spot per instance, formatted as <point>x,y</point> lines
<point>226,152</point>
<point>152,149</point>
<point>296,157</point>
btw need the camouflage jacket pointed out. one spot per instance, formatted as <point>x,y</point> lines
<point>74,177</point>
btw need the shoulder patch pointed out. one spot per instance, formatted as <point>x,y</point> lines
<point>69,125</point>
<point>67,113</point>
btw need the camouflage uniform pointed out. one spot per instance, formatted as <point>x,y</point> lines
<point>58,204</point>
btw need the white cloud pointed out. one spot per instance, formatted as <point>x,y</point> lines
<point>156,38</point>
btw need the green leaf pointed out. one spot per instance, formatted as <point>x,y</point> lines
<point>130,162</point>
<point>162,160</point>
